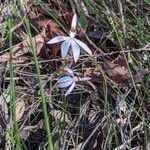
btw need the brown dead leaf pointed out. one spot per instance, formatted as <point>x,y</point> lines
<point>57,114</point>
<point>23,48</point>
<point>52,29</point>
<point>49,24</point>
<point>115,71</point>
<point>20,108</point>
<point>26,130</point>
<point>92,73</point>
<point>91,85</point>
<point>140,75</point>
<point>78,147</point>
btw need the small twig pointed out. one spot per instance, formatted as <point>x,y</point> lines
<point>91,43</point>
<point>100,123</point>
<point>83,109</point>
<point>96,56</point>
<point>122,17</point>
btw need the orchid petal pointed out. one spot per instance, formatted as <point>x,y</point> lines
<point>85,79</point>
<point>69,71</point>
<point>64,79</point>
<point>57,39</point>
<point>64,48</point>
<point>70,89</point>
<point>75,50</point>
<point>84,46</point>
<point>64,82</point>
<point>74,21</point>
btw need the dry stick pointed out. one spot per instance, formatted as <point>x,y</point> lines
<point>72,6</point>
<point>5,121</point>
<point>82,112</point>
<point>100,123</point>
<point>91,43</point>
<point>131,3</point>
<point>107,138</point>
<point>94,56</point>
<point>123,26</point>
<point>122,17</point>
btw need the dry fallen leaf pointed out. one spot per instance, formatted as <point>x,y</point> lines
<point>95,74</point>
<point>78,147</point>
<point>117,72</point>
<point>46,24</point>
<point>20,108</point>
<point>114,69</point>
<point>57,114</point>
<point>92,73</point>
<point>26,130</point>
<point>52,29</point>
<point>23,48</point>
<point>140,75</point>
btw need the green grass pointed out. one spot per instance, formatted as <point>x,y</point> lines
<point>15,132</point>
<point>80,118</point>
<point>42,93</point>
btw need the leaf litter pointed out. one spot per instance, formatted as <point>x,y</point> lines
<point>92,113</point>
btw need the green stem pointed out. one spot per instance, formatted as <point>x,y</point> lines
<point>12,91</point>
<point>42,93</point>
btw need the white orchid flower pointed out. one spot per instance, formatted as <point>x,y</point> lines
<point>67,81</point>
<point>71,41</point>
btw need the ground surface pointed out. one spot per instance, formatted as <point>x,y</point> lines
<point>109,112</point>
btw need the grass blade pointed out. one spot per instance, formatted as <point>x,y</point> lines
<point>16,134</point>
<point>44,107</point>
